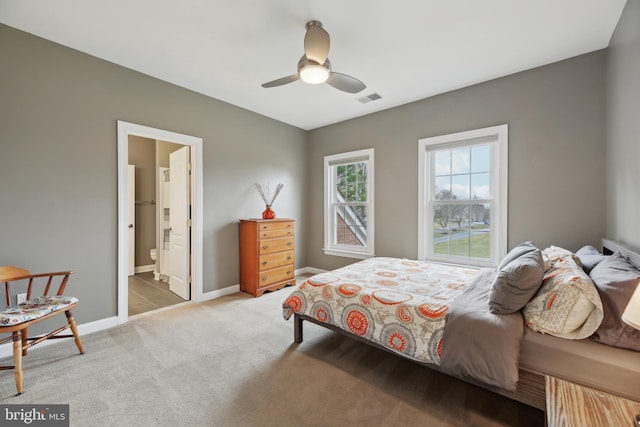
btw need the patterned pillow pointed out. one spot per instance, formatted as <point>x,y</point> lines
<point>552,254</point>
<point>567,304</point>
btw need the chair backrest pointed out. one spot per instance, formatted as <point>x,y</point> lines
<point>9,273</point>
<point>36,284</point>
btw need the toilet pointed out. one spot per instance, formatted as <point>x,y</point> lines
<point>153,253</point>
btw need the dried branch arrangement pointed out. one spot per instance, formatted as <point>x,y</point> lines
<point>265,193</point>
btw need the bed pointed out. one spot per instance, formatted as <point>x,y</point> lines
<point>446,318</point>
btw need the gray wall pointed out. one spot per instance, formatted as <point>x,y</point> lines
<point>556,118</point>
<point>58,119</point>
<point>164,150</point>
<point>623,128</point>
<point>58,166</point>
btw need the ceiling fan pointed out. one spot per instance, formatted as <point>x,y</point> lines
<point>314,66</point>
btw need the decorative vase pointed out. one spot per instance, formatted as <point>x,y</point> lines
<point>268,213</point>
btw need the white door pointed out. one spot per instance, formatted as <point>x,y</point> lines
<point>131,221</point>
<point>179,238</point>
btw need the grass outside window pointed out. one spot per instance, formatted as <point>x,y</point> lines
<point>477,246</point>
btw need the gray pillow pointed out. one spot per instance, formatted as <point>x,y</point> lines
<point>589,257</point>
<point>517,252</point>
<point>616,279</point>
<point>518,279</point>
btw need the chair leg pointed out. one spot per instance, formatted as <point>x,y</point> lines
<point>74,329</point>
<point>17,360</point>
<point>25,335</point>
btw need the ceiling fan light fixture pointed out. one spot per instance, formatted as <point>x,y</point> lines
<point>314,74</point>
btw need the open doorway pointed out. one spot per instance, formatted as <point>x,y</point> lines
<point>159,232</point>
<point>159,226</point>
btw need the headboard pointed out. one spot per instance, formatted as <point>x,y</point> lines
<point>611,246</point>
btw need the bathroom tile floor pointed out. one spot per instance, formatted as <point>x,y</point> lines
<point>146,294</point>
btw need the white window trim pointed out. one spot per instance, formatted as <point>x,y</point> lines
<point>347,250</point>
<point>498,135</point>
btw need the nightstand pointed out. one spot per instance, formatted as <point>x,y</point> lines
<point>573,405</point>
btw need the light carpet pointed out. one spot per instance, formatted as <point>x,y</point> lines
<point>232,362</point>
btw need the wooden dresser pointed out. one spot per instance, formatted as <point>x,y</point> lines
<point>267,254</point>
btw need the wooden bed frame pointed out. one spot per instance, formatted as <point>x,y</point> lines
<point>531,384</point>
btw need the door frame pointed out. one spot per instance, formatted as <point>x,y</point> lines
<point>124,130</point>
<point>131,222</point>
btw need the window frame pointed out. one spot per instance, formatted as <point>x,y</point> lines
<point>497,138</point>
<point>330,162</point>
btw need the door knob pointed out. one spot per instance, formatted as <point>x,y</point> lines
<point>130,225</point>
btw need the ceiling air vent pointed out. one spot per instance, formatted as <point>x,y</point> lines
<point>369,98</point>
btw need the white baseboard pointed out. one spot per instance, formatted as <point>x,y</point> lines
<point>6,350</point>
<point>310,270</point>
<point>207,296</point>
<point>236,288</point>
<point>144,268</point>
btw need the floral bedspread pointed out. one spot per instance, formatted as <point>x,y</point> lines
<point>397,303</point>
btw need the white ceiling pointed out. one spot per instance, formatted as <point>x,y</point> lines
<point>404,50</point>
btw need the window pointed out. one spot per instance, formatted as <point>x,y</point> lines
<point>462,210</point>
<point>348,204</point>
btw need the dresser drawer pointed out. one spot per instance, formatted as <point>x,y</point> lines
<point>276,275</point>
<point>276,225</point>
<point>279,259</point>
<point>270,246</point>
<point>278,232</point>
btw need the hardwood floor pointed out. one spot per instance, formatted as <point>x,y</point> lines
<point>147,294</point>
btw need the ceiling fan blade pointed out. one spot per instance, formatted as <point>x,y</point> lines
<point>282,81</point>
<point>345,83</point>
<point>316,42</point>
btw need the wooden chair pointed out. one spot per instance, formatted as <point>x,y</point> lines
<point>16,319</point>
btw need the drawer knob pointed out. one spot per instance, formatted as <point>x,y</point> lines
<point>264,278</point>
<point>289,257</point>
<point>289,243</point>
<point>264,262</point>
<point>265,247</point>
<point>289,272</point>
<point>264,235</point>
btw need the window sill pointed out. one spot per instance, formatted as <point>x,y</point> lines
<point>348,254</point>
<point>457,262</point>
